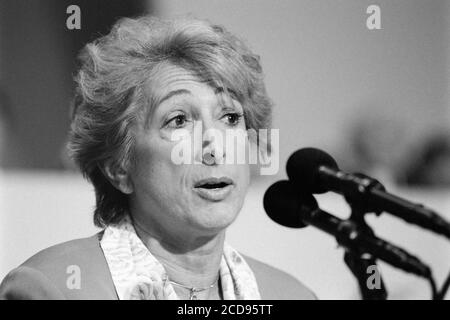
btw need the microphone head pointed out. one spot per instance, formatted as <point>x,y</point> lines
<point>302,169</point>
<point>285,205</point>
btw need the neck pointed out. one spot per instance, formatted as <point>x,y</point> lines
<point>192,262</point>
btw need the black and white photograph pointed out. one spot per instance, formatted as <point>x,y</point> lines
<point>224,150</point>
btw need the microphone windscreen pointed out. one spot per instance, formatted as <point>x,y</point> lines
<point>284,205</point>
<point>303,169</point>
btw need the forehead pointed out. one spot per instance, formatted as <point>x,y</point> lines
<point>168,78</point>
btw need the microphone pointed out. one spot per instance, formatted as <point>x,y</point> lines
<point>314,171</point>
<point>285,206</point>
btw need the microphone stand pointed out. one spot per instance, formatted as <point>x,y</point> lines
<point>358,261</point>
<point>358,265</point>
<point>362,264</point>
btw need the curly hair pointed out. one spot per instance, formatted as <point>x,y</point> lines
<point>110,96</point>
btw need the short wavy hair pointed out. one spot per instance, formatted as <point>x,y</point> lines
<point>110,95</point>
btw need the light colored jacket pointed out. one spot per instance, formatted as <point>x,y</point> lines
<point>46,275</point>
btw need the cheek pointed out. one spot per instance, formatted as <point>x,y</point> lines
<point>154,168</point>
<point>245,177</point>
<point>242,177</point>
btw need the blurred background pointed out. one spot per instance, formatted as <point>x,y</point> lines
<point>377,100</point>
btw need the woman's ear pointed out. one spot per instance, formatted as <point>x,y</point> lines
<point>118,176</point>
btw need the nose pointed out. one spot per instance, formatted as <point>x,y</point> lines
<point>213,151</point>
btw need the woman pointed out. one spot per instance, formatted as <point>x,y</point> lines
<point>142,91</point>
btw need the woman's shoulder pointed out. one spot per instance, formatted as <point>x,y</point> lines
<point>75,269</point>
<point>78,252</point>
<point>275,284</point>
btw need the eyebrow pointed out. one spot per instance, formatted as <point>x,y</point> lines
<point>231,92</point>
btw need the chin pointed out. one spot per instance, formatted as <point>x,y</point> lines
<point>215,218</point>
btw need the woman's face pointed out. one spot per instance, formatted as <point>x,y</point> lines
<point>200,197</point>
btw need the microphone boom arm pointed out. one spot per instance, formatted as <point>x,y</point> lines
<point>352,238</point>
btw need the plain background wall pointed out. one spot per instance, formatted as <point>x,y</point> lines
<point>323,68</point>
<point>37,64</point>
<point>447,41</point>
<point>37,80</point>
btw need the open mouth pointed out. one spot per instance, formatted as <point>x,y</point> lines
<point>214,189</point>
<point>213,183</point>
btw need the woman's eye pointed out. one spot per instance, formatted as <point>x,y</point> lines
<point>233,119</point>
<point>178,121</point>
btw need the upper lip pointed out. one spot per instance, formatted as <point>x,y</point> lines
<point>213,181</point>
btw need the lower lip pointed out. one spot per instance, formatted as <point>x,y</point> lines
<point>217,194</point>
